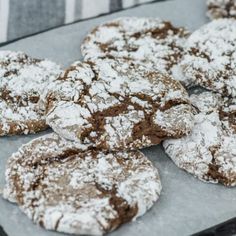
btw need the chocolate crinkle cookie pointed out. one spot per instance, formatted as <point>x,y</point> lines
<point>117,104</point>
<point>221,9</point>
<point>210,59</point>
<point>151,41</point>
<point>23,80</point>
<point>209,152</point>
<point>64,186</point>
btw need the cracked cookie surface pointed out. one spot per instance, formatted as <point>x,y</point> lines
<point>63,186</point>
<point>210,59</point>
<point>221,9</point>
<point>118,105</point>
<point>22,82</point>
<point>209,152</point>
<point>153,42</point>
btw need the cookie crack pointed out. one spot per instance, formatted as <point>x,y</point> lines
<point>124,211</point>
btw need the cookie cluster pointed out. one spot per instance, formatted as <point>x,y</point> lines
<point>88,176</point>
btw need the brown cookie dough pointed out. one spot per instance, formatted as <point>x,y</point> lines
<point>64,187</point>
<point>151,41</point>
<point>210,59</point>
<point>23,80</point>
<point>209,151</point>
<point>221,9</point>
<point>118,105</point>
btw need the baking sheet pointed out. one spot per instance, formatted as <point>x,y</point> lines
<point>186,205</point>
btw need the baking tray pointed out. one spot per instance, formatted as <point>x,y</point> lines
<point>186,205</point>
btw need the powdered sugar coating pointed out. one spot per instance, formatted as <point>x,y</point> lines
<point>210,58</point>
<point>62,186</point>
<point>153,42</point>
<point>17,119</point>
<point>118,105</point>
<point>221,8</point>
<point>23,80</point>
<point>209,152</point>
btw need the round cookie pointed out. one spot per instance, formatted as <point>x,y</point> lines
<point>23,80</point>
<point>63,188</point>
<point>151,41</point>
<point>118,105</point>
<point>221,9</point>
<point>210,59</point>
<point>209,151</point>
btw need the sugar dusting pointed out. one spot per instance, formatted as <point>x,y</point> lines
<point>123,94</point>
<point>63,186</point>
<point>210,58</point>
<point>23,80</point>
<point>209,151</point>
<point>153,42</point>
